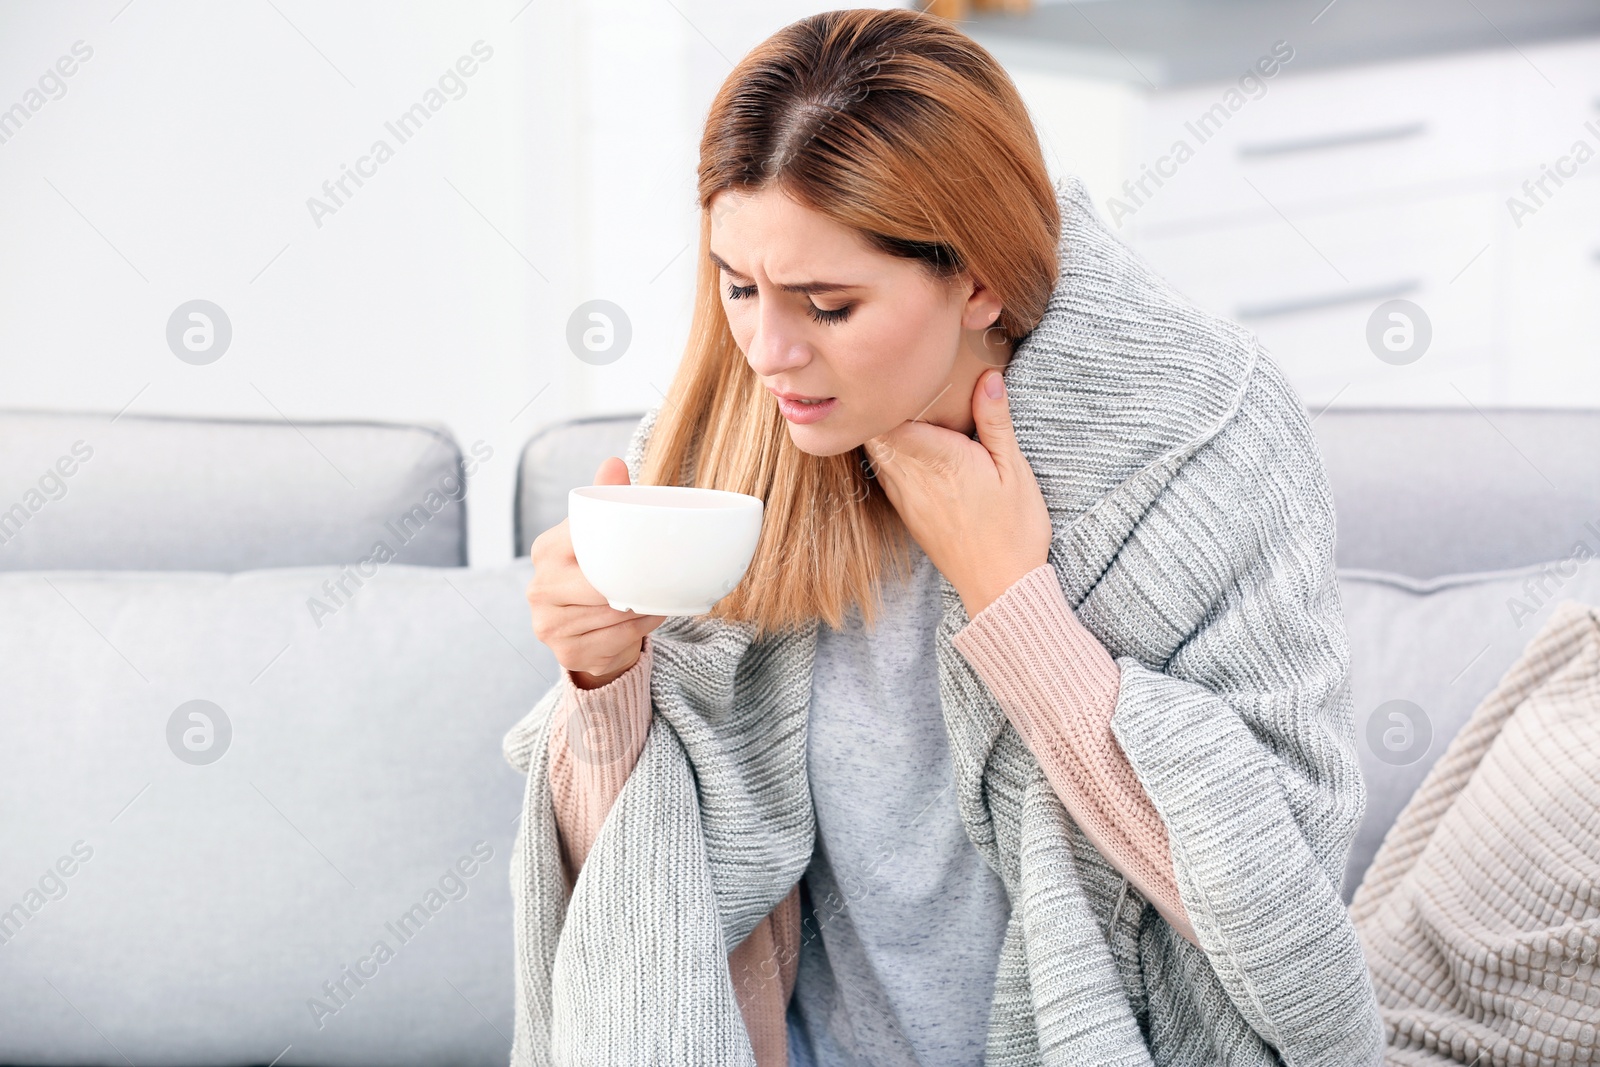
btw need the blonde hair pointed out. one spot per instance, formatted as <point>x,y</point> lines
<point>896,124</point>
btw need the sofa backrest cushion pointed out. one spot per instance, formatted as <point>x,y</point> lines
<point>1422,492</point>
<point>560,458</point>
<point>1433,491</point>
<point>102,491</point>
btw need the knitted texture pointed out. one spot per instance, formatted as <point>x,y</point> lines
<point>1193,536</point>
<point>1058,686</point>
<point>593,746</point>
<point>1481,910</point>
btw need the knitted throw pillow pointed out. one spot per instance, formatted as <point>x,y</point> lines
<point>1480,914</point>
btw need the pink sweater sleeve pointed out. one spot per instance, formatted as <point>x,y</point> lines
<point>1058,686</point>
<point>594,744</point>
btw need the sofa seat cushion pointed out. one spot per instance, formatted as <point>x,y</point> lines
<point>221,797</point>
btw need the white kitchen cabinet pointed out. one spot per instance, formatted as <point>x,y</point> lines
<point>1552,299</point>
<point>1308,291</point>
<point>1552,95</point>
<point>1321,136</point>
<point>1339,189</point>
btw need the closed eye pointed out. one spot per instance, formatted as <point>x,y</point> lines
<point>823,315</point>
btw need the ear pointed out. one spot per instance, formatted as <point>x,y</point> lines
<point>982,308</point>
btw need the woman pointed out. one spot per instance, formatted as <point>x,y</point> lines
<point>1068,776</point>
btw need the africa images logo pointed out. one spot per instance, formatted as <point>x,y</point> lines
<point>1252,85</point>
<point>336,192</point>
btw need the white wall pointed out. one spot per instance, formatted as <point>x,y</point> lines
<point>178,162</point>
<point>178,165</point>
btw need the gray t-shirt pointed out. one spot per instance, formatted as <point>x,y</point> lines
<point>902,918</point>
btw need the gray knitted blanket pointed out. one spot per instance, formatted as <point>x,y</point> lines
<point>1194,536</point>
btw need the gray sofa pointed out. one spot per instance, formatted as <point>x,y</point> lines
<point>255,701</point>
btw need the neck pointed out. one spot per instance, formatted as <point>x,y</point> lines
<point>954,409</point>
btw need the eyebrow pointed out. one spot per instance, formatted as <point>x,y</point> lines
<point>799,287</point>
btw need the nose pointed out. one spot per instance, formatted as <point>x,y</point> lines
<point>775,347</point>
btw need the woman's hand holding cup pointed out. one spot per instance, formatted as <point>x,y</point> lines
<point>591,639</point>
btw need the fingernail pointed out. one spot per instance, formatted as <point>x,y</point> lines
<point>995,386</point>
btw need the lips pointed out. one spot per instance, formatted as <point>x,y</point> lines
<point>798,412</point>
<point>795,396</point>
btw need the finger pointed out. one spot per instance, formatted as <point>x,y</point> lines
<point>879,445</point>
<point>579,609</point>
<point>582,622</point>
<point>568,588</point>
<point>613,471</point>
<point>992,415</point>
<point>626,626</point>
<point>888,451</point>
<point>880,464</point>
<point>557,578</point>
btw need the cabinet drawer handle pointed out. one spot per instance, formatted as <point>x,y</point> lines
<point>1276,308</point>
<point>1333,140</point>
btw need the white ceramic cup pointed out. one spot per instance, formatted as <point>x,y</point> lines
<point>662,549</point>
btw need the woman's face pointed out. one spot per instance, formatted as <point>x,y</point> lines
<point>818,313</point>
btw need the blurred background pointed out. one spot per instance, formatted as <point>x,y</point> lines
<point>1438,152</point>
<point>281,280</point>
